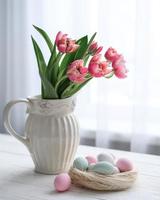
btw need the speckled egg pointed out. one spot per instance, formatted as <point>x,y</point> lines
<point>62,182</point>
<point>124,165</point>
<point>80,163</point>
<point>106,157</point>
<point>91,159</point>
<point>102,168</point>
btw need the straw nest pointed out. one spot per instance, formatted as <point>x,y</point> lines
<point>95,181</point>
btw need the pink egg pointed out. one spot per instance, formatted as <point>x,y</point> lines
<point>91,159</point>
<point>62,182</point>
<point>124,165</point>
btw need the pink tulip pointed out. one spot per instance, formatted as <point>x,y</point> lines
<point>119,67</point>
<point>111,54</point>
<point>94,49</point>
<point>65,44</point>
<point>77,72</point>
<point>98,68</point>
<point>99,50</point>
<point>96,58</point>
<point>118,61</point>
<point>121,71</point>
<point>60,36</point>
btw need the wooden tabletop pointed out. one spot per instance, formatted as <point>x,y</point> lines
<point>18,181</point>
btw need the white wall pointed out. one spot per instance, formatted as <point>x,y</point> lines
<point>3,35</point>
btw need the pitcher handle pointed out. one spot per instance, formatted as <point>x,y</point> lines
<point>7,122</point>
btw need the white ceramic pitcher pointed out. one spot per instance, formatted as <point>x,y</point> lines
<point>51,132</point>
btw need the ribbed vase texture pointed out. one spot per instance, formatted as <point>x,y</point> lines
<point>53,134</point>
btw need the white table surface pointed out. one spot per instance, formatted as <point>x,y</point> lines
<point>18,181</point>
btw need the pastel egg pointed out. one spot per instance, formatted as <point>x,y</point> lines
<point>62,182</point>
<point>102,168</point>
<point>106,157</point>
<point>124,165</point>
<point>116,170</point>
<point>91,159</point>
<point>80,163</point>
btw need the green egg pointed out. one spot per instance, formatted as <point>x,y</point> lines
<point>103,167</point>
<point>80,163</point>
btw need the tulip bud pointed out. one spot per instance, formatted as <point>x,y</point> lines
<point>94,49</point>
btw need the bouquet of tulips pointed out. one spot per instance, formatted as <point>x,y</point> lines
<point>73,63</point>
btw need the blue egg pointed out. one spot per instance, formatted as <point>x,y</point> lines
<point>103,167</point>
<point>80,163</point>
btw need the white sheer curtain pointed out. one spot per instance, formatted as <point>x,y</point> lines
<point>118,113</point>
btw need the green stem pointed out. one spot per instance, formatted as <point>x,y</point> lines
<point>58,82</point>
<point>86,59</point>
<point>55,69</point>
<point>89,43</point>
<point>73,88</point>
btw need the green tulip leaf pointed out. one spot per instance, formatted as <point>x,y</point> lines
<point>46,37</point>
<point>83,42</point>
<point>91,40</point>
<point>68,58</point>
<point>62,85</point>
<point>53,67</point>
<point>47,88</point>
<point>73,88</point>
